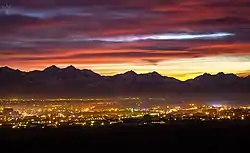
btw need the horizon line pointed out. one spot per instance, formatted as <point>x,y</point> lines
<point>61,68</point>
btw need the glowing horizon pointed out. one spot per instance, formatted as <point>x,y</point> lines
<point>166,68</point>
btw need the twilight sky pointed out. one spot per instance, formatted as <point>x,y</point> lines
<point>179,38</point>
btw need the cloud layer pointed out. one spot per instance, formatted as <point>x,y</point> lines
<point>142,35</point>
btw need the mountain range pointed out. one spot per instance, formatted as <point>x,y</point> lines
<point>70,81</point>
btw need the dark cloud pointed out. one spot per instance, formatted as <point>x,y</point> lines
<point>56,3</point>
<point>228,3</point>
<point>224,21</point>
<point>12,23</point>
<point>162,48</point>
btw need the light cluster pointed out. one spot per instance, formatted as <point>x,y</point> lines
<point>60,113</point>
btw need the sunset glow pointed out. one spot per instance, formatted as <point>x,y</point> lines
<point>181,39</point>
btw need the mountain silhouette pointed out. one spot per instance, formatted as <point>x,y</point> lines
<point>52,69</point>
<point>54,81</point>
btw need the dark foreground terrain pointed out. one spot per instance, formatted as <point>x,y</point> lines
<point>224,136</point>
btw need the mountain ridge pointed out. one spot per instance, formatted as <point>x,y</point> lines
<point>72,81</point>
<point>54,68</point>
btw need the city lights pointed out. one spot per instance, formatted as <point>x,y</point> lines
<point>20,113</point>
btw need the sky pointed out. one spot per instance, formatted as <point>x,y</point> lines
<point>177,38</point>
